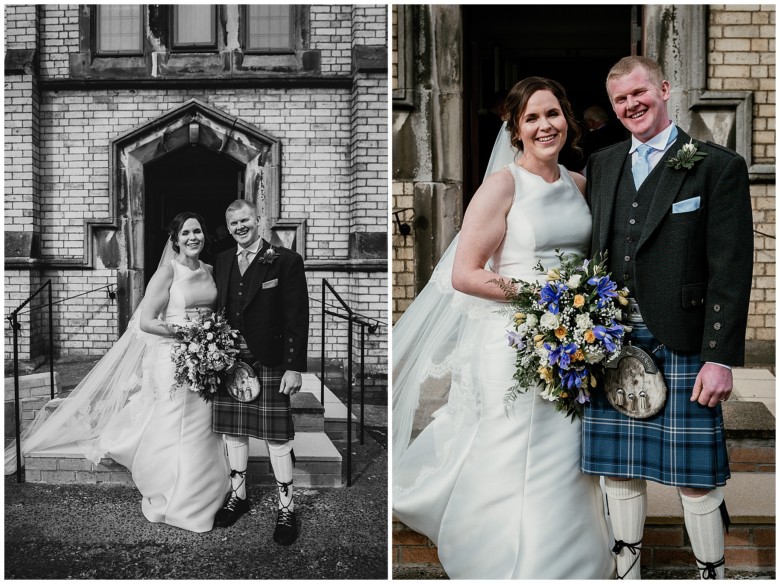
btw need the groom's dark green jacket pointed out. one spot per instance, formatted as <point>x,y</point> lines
<point>692,271</point>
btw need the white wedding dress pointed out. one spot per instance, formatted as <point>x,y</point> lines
<point>502,496</point>
<point>178,464</point>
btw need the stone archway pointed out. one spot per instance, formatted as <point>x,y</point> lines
<point>192,124</point>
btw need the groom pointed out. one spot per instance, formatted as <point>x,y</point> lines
<point>677,226</point>
<point>263,292</point>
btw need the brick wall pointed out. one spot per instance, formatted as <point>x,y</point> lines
<point>403,249</point>
<point>742,58</point>
<point>334,163</point>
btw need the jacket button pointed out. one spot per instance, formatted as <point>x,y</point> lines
<point>716,326</point>
<point>292,350</point>
<point>291,339</point>
<point>713,344</point>
<point>716,308</point>
<point>693,303</point>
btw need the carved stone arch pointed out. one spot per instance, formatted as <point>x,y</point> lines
<point>191,124</point>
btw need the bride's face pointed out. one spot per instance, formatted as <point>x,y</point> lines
<point>542,126</point>
<point>191,238</point>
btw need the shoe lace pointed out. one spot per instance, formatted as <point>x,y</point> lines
<point>233,498</point>
<point>632,547</point>
<point>285,517</point>
<point>708,568</point>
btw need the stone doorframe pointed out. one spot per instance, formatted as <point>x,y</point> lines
<point>192,124</point>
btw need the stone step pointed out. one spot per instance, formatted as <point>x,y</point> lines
<point>335,410</point>
<point>318,464</point>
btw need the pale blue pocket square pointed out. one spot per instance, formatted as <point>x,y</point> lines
<point>687,205</point>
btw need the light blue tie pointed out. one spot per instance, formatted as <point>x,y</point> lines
<point>641,167</point>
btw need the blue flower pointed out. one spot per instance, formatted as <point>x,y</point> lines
<point>605,289</point>
<point>608,335</point>
<point>515,340</point>
<point>573,378</point>
<point>561,355</point>
<point>551,295</point>
<point>582,397</point>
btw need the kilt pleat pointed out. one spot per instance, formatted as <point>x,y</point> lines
<point>683,445</point>
<point>269,417</point>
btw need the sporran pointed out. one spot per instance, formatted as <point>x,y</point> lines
<point>633,384</point>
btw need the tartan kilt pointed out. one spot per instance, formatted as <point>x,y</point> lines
<point>269,417</point>
<point>683,445</point>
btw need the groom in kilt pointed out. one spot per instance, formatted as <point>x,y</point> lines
<point>675,218</point>
<point>264,294</point>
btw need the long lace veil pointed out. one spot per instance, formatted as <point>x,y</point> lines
<point>95,407</point>
<point>426,337</point>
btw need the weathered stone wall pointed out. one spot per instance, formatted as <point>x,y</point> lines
<point>741,57</point>
<point>334,164</point>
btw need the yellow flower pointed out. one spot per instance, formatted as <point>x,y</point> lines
<point>553,274</point>
<point>519,317</point>
<point>579,301</point>
<point>578,355</point>
<point>539,340</point>
<point>593,382</point>
<point>546,374</point>
<point>560,332</point>
<point>589,336</point>
<point>564,395</point>
<point>622,300</point>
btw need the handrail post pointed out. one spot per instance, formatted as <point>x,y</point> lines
<point>322,348</point>
<point>349,402</point>
<point>17,405</point>
<point>362,381</point>
<point>51,342</point>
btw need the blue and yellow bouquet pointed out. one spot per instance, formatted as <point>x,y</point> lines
<point>564,330</point>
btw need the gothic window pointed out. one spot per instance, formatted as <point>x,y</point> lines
<point>119,29</point>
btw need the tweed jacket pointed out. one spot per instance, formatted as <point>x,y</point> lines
<point>276,306</point>
<point>693,270</point>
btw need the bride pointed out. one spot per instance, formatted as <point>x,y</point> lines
<point>500,494</point>
<point>125,409</point>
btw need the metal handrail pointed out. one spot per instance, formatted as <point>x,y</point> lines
<point>351,318</point>
<point>16,327</point>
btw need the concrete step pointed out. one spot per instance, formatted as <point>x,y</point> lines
<point>318,464</point>
<point>335,410</point>
<point>755,385</point>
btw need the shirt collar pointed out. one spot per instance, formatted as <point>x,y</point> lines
<point>252,248</point>
<point>658,142</point>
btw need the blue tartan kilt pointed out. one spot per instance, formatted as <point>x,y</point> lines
<point>268,417</point>
<point>683,445</point>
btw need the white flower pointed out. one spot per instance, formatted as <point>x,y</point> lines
<point>583,322</point>
<point>574,281</point>
<point>531,321</point>
<point>594,357</point>
<point>207,325</point>
<point>549,321</point>
<point>194,347</point>
<point>543,354</point>
<point>212,348</point>
<point>210,337</point>
<point>689,148</point>
<point>546,393</point>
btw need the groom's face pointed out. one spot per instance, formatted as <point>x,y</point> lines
<point>639,102</point>
<point>243,226</point>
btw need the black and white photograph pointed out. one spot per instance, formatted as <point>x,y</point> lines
<point>196,288</point>
<point>583,251</point>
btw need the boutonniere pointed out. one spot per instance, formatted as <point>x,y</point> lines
<point>269,256</point>
<point>686,156</point>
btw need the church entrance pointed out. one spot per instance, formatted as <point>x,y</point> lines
<point>189,179</point>
<point>574,45</point>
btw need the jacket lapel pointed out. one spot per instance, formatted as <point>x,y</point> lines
<point>610,178</point>
<point>669,185</point>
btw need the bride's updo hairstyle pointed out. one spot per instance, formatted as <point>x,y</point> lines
<point>178,222</point>
<point>517,100</point>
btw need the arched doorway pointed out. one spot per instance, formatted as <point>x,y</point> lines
<point>194,157</point>
<point>190,179</point>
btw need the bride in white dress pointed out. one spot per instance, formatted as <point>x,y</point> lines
<point>500,494</point>
<point>124,408</point>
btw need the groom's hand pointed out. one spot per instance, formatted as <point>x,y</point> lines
<point>713,384</point>
<point>291,383</point>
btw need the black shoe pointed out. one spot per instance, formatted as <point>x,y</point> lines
<point>231,510</point>
<point>286,531</point>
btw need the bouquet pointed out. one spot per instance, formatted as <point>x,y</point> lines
<point>202,351</point>
<point>564,331</point>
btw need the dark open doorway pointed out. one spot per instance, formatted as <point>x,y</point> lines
<point>189,179</point>
<point>574,45</point>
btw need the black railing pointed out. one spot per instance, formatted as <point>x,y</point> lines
<point>351,319</point>
<point>16,327</point>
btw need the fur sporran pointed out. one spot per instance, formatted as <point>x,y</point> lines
<point>633,384</point>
